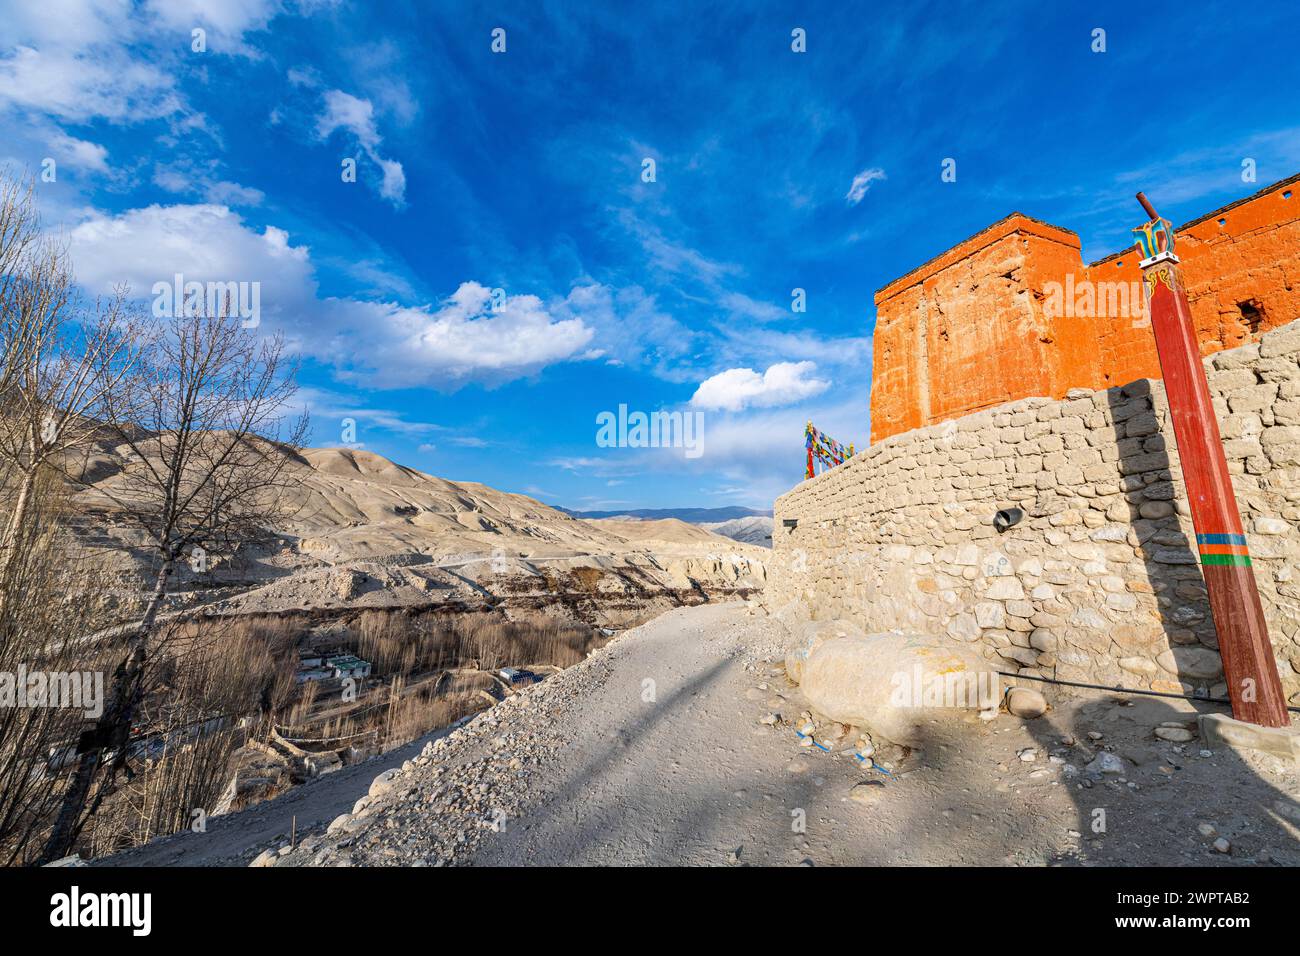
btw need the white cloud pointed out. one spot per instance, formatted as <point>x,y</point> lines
<point>225,22</point>
<point>393,186</point>
<point>188,177</point>
<point>763,452</point>
<point>79,61</point>
<point>759,453</point>
<point>675,258</point>
<point>861,183</point>
<point>63,22</point>
<point>227,193</point>
<point>739,388</point>
<point>380,69</point>
<point>81,85</point>
<point>465,338</point>
<point>633,331</point>
<point>356,116</point>
<point>206,242</point>
<point>599,467</point>
<point>79,152</point>
<point>329,409</point>
<point>345,111</point>
<point>743,306</point>
<point>375,276</point>
<point>307,76</point>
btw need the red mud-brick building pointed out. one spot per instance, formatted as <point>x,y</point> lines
<point>1014,312</point>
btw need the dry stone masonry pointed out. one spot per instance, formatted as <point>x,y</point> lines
<point>1099,582</point>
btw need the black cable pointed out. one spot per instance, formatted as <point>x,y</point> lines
<point>1128,690</point>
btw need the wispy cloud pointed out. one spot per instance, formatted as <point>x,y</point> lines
<point>356,116</point>
<point>329,409</point>
<point>862,183</point>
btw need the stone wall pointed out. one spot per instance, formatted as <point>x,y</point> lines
<point>1099,582</point>
<point>977,325</point>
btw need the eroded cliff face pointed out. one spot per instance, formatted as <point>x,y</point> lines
<point>1013,312</point>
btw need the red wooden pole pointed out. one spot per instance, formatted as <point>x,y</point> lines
<point>1248,664</point>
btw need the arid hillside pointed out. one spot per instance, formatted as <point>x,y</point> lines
<point>366,532</point>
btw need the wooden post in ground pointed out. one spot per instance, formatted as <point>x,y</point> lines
<point>1248,664</point>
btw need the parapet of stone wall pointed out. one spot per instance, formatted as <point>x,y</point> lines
<point>1099,582</point>
<point>980,324</point>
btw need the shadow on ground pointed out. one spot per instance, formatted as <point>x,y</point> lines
<point>1177,790</point>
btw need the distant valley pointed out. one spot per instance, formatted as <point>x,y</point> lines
<point>746,525</point>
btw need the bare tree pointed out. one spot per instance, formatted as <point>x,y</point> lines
<point>60,590</point>
<point>52,359</point>
<point>19,232</point>
<point>59,362</point>
<point>208,464</point>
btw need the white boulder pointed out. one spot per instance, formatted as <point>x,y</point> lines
<point>1026,703</point>
<point>892,683</point>
<point>812,634</point>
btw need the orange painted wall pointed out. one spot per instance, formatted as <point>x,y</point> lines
<point>971,328</point>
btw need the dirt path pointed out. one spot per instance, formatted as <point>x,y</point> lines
<point>693,777</point>
<point>651,752</point>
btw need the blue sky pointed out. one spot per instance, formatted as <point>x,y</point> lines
<point>523,171</point>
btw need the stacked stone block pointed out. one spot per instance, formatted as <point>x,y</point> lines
<point>1099,582</point>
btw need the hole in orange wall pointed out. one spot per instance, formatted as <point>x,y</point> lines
<point>1252,315</point>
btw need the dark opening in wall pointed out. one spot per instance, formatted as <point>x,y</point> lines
<point>1252,315</point>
